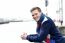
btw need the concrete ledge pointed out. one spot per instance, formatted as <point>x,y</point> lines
<point>62,29</point>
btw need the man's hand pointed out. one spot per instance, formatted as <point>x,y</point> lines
<point>23,36</point>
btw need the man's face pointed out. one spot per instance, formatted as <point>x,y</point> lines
<point>36,15</point>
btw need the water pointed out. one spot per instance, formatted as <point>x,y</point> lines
<point>10,33</point>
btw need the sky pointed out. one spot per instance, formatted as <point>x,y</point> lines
<point>20,9</point>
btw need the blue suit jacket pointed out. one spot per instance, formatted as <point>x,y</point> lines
<point>46,26</point>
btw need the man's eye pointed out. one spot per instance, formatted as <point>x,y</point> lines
<point>32,15</point>
<point>36,14</point>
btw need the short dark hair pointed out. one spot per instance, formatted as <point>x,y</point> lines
<point>34,8</point>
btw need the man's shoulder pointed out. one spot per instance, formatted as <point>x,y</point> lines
<point>45,19</point>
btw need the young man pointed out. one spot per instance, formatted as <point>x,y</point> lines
<point>45,26</point>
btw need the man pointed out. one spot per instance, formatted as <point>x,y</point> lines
<point>45,26</point>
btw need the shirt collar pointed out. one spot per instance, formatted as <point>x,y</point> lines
<point>41,17</point>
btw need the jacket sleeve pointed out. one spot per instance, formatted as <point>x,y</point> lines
<point>44,30</point>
